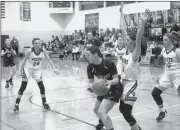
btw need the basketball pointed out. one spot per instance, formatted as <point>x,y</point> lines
<point>100,87</point>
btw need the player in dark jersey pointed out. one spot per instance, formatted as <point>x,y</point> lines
<point>103,69</point>
<point>8,54</point>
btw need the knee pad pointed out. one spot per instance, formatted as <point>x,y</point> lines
<point>23,87</point>
<point>128,116</point>
<point>156,95</point>
<point>41,87</point>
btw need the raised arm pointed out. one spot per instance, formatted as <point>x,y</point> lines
<point>139,35</point>
<point>123,25</point>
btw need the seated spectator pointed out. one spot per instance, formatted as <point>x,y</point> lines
<point>68,50</point>
<point>75,52</point>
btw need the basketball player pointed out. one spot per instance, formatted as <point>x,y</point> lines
<point>103,69</point>
<point>92,41</point>
<point>8,54</point>
<point>32,66</point>
<point>120,51</point>
<point>171,75</point>
<point>130,71</point>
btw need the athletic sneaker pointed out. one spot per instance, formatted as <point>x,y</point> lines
<point>100,125</point>
<point>46,106</point>
<point>7,84</point>
<point>16,108</point>
<point>11,82</point>
<point>162,115</point>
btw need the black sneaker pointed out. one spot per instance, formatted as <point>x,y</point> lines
<point>7,84</point>
<point>100,125</point>
<point>16,108</point>
<point>11,82</point>
<point>162,115</point>
<point>90,90</point>
<point>46,106</point>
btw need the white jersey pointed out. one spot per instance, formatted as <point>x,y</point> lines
<point>35,61</point>
<point>172,61</point>
<point>119,53</point>
<point>130,68</point>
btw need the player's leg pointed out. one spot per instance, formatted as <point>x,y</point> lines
<point>99,99</point>
<point>127,102</point>
<point>6,74</point>
<point>110,99</point>
<point>104,109</point>
<point>176,82</point>
<point>164,83</point>
<point>13,73</point>
<point>126,110</point>
<point>37,75</point>
<point>25,76</point>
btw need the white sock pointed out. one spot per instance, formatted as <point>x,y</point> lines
<point>161,109</point>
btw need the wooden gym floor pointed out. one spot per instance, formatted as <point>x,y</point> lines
<point>72,105</point>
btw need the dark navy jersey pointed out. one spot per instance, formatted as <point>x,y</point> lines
<point>9,56</point>
<point>103,71</point>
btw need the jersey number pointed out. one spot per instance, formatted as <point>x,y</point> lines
<point>168,65</point>
<point>35,63</point>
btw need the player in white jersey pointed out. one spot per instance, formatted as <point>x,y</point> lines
<point>120,51</point>
<point>32,66</point>
<point>130,70</point>
<point>171,75</point>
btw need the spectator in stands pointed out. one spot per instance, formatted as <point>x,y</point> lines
<point>108,31</point>
<point>106,37</point>
<point>68,50</point>
<point>175,28</point>
<point>101,35</point>
<point>53,39</point>
<point>164,30</point>
<point>15,45</point>
<point>113,31</point>
<point>92,40</point>
<point>75,52</point>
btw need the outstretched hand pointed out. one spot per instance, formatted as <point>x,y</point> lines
<point>145,17</point>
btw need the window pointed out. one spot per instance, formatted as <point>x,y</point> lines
<point>91,5</point>
<point>25,11</point>
<point>2,9</point>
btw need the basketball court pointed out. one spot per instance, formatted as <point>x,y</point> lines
<point>72,105</point>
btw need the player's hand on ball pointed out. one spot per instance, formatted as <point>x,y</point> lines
<point>108,84</point>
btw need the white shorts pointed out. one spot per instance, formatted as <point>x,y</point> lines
<point>130,92</point>
<point>168,80</point>
<point>119,67</point>
<point>35,73</point>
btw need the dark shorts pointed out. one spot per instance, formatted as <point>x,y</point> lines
<point>114,93</point>
<point>8,64</point>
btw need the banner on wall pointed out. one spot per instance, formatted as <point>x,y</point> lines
<point>175,4</point>
<point>92,21</point>
<point>158,18</point>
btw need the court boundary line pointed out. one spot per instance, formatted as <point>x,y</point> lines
<point>87,123</point>
<point>92,122</point>
<point>9,125</point>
